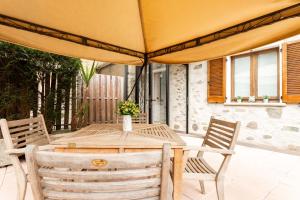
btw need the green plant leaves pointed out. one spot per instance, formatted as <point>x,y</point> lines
<point>87,73</point>
<point>129,108</point>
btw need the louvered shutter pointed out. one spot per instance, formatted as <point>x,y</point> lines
<point>291,72</point>
<point>216,85</point>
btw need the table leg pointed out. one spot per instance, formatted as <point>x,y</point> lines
<point>177,173</point>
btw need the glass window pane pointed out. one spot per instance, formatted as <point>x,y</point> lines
<point>267,72</point>
<point>242,76</point>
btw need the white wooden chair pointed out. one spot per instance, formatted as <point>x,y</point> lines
<point>111,176</point>
<point>220,138</point>
<point>17,135</point>
<point>141,119</point>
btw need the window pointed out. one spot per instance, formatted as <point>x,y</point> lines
<point>256,74</point>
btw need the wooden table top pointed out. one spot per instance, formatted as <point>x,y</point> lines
<point>112,136</point>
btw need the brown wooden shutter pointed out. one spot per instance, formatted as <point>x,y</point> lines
<point>216,83</point>
<point>291,72</point>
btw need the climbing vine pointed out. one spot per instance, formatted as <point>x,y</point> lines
<point>33,82</point>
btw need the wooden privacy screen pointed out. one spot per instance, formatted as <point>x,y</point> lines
<point>104,92</point>
<point>291,72</point>
<point>216,83</point>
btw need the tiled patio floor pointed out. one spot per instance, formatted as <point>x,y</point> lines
<point>253,174</point>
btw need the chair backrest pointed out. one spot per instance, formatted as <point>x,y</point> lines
<point>126,176</point>
<point>19,133</point>
<point>221,134</point>
<point>141,119</point>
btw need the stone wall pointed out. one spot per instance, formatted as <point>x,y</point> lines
<point>269,126</point>
<point>131,81</point>
<point>177,102</point>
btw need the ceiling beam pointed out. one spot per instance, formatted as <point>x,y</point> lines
<point>290,12</point>
<point>62,35</point>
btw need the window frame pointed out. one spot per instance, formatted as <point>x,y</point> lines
<point>254,74</point>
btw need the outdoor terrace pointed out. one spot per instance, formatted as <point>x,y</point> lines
<point>253,174</point>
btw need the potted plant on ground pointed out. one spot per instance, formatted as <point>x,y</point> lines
<point>239,99</point>
<point>128,109</point>
<point>266,99</point>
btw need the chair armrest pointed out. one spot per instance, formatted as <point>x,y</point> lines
<point>20,151</point>
<point>209,149</point>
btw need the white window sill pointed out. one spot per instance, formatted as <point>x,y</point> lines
<point>256,104</point>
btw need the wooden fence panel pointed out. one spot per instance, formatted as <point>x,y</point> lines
<point>104,92</point>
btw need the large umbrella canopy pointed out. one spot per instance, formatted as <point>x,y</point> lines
<point>165,31</point>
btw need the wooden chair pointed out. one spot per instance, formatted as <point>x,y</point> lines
<point>220,138</point>
<point>141,119</point>
<point>84,176</point>
<point>17,135</point>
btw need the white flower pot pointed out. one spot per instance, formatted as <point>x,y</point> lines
<point>252,99</point>
<point>239,100</point>
<point>127,123</point>
<point>266,100</point>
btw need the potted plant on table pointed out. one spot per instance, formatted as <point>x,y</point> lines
<point>239,99</point>
<point>128,109</point>
<point>266,99</point>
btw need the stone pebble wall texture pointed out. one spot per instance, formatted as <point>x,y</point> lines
<point>131,81</point>
<point>277,127</point>
<point>177,100</point>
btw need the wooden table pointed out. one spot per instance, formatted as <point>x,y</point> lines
<point>110,138</point>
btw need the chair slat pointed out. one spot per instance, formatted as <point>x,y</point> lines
<point>30,137</point>
<point>221,132</point>
<point>216,143</point>
<point>32,131</point>
<point>220,137</point>
<point>224,123</point>
<point>24,128</point>
<point>76,160</point>
<point>103,175</point>
<point>108,186</point>
<point>223,128</point>
<point>22,122</point>
<point>130,195</point>
<point>36,140</point>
